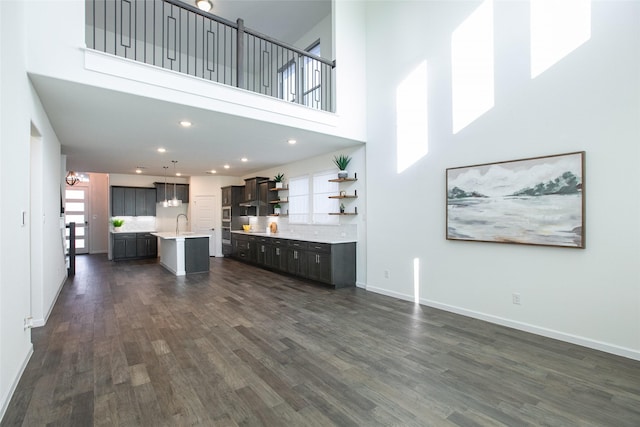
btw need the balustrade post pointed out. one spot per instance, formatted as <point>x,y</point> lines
<point>240,54</point>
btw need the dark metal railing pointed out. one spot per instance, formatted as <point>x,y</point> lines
<point>180,37</point>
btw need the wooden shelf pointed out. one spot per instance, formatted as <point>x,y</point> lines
<point>348,196</point>
<point>275,202</point>
<point>343,180</point>
<point>343,213</point>
<point>279,189</point>
<point>277,215</point>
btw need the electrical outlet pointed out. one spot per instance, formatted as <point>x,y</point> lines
<point>516,298</point>
<point>386,274</point>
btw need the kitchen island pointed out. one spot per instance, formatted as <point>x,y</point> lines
<point>184,253</point>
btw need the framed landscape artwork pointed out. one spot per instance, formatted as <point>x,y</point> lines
<point>535,201</point>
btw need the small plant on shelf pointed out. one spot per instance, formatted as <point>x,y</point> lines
<point>276,209</point>
<point>341,207</point>
<point>117,222</point>
<point>342,161</point>
<point>279,179</point>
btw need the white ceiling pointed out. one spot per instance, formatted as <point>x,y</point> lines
<point>113,132</point>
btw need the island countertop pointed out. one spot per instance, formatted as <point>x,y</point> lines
<point>182,235</point>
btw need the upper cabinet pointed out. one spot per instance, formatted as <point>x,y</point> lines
<point>251,189</point>
<point>181,192</point>
<point>133,201</point>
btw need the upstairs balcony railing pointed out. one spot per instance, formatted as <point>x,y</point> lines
<point>180,37</point>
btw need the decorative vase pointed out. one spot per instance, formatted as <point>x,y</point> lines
<point>276,211</point>
<point>279,184</point>
<point>117,229</point>
<point>343,174</point>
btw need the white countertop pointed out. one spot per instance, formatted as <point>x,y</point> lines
<point>132,231</point>
<point>297,236</point>
<point>181,235</point>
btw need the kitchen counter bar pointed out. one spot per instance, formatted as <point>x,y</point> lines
<point>297,236</point>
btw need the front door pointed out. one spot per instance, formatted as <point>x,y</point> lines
<point>204,219</point>
<point>76,208</point>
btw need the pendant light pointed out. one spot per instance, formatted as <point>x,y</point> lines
<point>72,178</point>
<point>165,203</point>
<point>175,201</point>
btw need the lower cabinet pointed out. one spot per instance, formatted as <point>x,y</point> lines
<point>134,245</point>
<point>297,258</point>
<point>146,245</point>
<point>330,263</point>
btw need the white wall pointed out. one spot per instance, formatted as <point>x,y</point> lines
<point>588,101</point>
<point>349,33</point>
<point>48,268</point>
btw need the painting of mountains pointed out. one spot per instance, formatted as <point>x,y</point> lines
<point>535,201</point>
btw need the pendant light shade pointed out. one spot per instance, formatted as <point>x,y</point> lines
<point>72,178</point>
<point>175,201</point>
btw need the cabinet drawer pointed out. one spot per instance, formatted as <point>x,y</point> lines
<point>319,247</point>
<point>298,244</point>
<point>124,236</point>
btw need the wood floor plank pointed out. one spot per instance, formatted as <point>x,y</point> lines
<point>129,344</point>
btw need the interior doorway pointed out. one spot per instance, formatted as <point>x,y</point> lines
<point>204,220</point>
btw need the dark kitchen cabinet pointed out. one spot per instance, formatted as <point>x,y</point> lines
<point>123,201</point>
<point>134,245</point>
<point>240,244</point>
<point>265,195</point>
<point>333,264</point>
<point>124,246</point>
<point>319,262</point>
<point>297,258</point>
<point>196,255</point>
<point>145,202</point>
<point>279,254</point>
<point>226,196</point>
<point>181,192</point>
<point>251,189</point>
<point>133,201</point>
<point>146,245</point>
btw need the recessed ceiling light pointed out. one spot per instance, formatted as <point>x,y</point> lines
<point>205,5</point>
<point>292,141</point>
<point>185,123</point>
<point>244,159</point>
<point>162,150</point>
<point>139,170</point>
<point>212,171</point>
<point>227,166</point>
<point>178,174</point>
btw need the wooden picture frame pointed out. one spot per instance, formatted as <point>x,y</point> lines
<point>533,201</point>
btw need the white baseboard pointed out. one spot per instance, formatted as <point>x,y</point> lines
<point>545,332</point>
<point>36,323</point>
<point>14,383</point>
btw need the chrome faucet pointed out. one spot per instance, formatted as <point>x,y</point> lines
<point>178,223</point>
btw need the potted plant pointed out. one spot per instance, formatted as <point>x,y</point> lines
<point>279,179</point>
<point>117,223</point>
<point>276,209</point>
<point>342,161</point>
<point>341,207</point>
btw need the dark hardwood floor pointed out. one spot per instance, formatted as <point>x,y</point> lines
<point>128,344</point>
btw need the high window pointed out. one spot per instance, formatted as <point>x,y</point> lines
<point>310,83</point>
